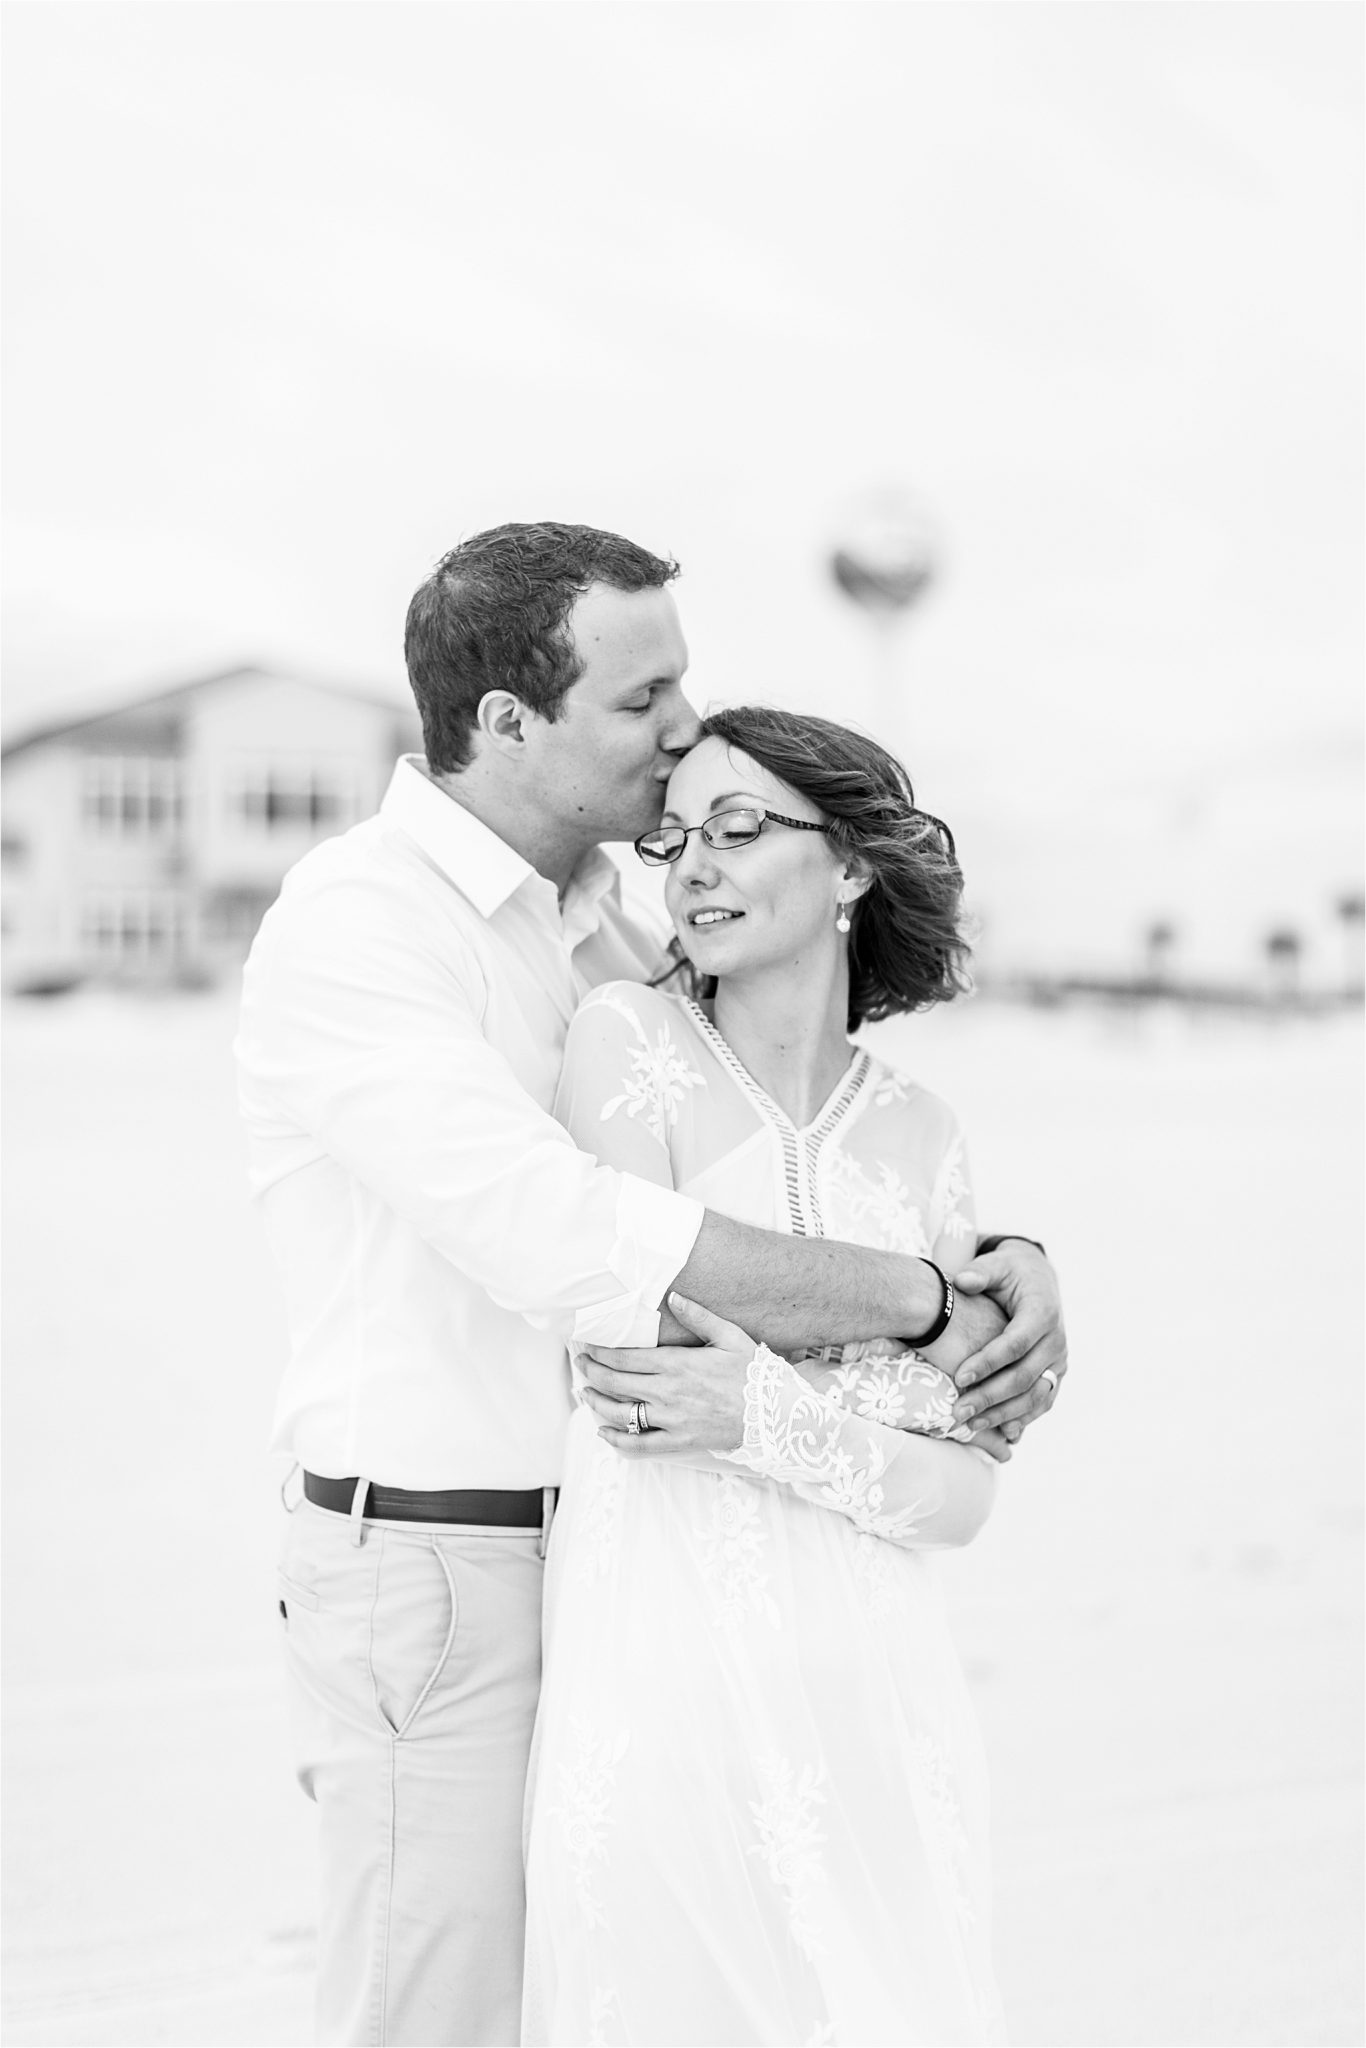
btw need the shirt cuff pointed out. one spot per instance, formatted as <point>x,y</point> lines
<point>990,1244</point>
<point>656,1231</point>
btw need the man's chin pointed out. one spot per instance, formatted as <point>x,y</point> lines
<point>628,829</point>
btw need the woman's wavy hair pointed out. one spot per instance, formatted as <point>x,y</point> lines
<point>907,947</point>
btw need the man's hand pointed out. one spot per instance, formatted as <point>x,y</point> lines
<point>993,1441</point>
<point>1006,1374</point>
<point>694,1393</point>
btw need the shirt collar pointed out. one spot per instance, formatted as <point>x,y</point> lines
<point>596,879</point>
<point>472,856</point>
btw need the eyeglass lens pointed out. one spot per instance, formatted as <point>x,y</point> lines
<point>727,828</point>
<point>732,828</point>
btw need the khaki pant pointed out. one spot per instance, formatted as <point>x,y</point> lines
<point>415,1651</point>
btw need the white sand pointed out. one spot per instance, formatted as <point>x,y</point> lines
<point>1161,1622</point>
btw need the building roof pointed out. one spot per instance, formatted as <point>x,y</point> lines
<point>167,700</point>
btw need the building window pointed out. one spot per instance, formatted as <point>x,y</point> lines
<point>277,798</point>
<point>127,796</point>
<point>230,916</point>
<point>133,927</point>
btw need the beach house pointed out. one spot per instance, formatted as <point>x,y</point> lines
<point>142,844</point>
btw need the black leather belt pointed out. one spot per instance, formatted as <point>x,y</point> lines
<point>490,1510</point>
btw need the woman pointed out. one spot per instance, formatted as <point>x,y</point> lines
<point>758,1807</point>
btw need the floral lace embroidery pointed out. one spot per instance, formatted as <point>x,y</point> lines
<point>600,1514</point>
<point>730,1550</point>
<point>600,2011</point>
<point>878,1396</point>
<point>584,1810</point>
<point>790,1840</point>
<point>659,1079</point>
<point>873,1566</point>
<point>950,1190</point>
<point>878,1212</point>
<point>947,1835</point>
<point>904,1392</point>
<point>794,1435</point>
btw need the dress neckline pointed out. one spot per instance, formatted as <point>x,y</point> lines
<point>831,1110</point>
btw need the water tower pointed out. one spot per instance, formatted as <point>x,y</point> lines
<point>883,559</point>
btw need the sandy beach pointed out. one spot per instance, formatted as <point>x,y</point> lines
<point>1161,1622</point>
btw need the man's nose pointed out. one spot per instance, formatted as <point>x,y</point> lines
<point>683,728</point>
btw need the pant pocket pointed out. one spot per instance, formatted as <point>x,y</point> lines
<point>412,1629</point>
<point>290,1595</point>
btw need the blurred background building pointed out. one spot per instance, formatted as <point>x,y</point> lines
<point>143,844</point>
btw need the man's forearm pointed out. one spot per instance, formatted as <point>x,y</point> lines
<point>797,1292</point>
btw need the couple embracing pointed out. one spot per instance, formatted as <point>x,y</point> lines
<point>575,1228</point>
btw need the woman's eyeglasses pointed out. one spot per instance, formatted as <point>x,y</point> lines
<point>660,848</point>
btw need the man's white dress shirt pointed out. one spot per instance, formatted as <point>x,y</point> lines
<point>439,1236</point>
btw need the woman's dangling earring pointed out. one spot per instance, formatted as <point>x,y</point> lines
<point>841,916</point>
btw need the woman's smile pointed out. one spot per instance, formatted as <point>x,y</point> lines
<point>711,915</point>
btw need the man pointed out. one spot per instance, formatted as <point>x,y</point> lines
<point>440,1237</point>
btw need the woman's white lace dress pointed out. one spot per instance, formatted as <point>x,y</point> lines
<point>757,1806</point>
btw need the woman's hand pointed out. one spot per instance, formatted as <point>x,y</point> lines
<point>693,1393</point>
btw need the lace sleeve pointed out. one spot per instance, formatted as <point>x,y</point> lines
<point>953,1216</point>
<point>624,1081</point>
<point>881,1379</point>
<point>888,1482</point>
<point>901,1390</point>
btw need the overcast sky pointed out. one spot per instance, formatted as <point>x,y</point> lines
<point>299,293</point>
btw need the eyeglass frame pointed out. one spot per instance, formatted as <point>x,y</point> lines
<point>765,817</point>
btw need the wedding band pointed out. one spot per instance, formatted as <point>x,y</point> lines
<point>1049,1375</point>
<point>633,1420</point>
<point>642,1417</point>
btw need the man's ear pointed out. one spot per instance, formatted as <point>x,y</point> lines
<point>501,719</point>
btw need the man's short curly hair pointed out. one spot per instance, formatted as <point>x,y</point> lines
<point>493,616</point>
<point>907,948</point>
